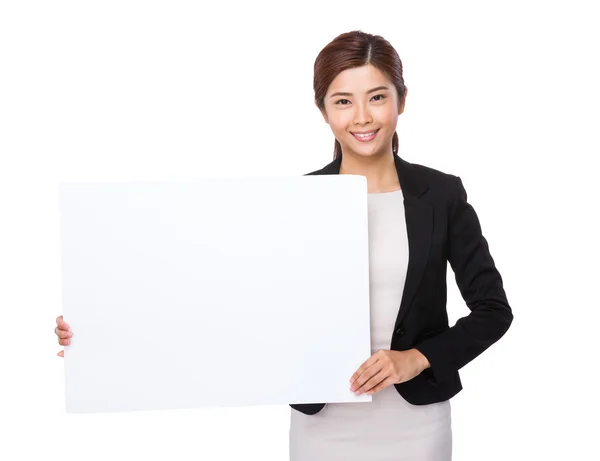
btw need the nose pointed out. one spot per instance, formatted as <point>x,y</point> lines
<point>362,115</point>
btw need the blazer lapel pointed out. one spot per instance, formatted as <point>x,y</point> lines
<point>419,226</point>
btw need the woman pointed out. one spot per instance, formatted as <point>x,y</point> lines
<point>413,210</point>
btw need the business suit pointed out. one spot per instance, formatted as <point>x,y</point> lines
<point>442,227</point>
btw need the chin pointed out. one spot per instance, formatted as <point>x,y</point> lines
<point>366,153</point>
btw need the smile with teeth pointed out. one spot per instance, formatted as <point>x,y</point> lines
<point>365,136</point>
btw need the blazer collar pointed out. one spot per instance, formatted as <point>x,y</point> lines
<point>411,182</point>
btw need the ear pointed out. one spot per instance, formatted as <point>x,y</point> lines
<point>323,113</point>
<point>402,102</point>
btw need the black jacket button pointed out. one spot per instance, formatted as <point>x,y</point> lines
<point>400,331</point>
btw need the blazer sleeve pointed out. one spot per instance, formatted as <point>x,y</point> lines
<point>480,285</point>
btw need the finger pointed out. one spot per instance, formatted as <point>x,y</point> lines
<point>372,382</point>
<point>64,342</point>
<point>63,333</point>
<point>365,366</point>
<point>376,357</point>
<point>61,353</point>
<point>368,374</point>
<point>61,324</point>
<point>382,385</point>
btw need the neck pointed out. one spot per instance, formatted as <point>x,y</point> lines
<point>379,170</point>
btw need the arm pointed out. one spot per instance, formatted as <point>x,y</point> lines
<point>480,285</point>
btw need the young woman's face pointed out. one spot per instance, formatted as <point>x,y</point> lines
<point>360,110</point>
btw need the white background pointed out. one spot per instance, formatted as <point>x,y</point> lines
<point>503,94</point>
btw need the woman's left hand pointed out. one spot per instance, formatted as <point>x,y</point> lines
<point>385,368</point>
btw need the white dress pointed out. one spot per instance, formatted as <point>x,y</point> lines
<point>388,428</point>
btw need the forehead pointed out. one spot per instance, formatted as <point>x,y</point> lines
<point>358,80</point>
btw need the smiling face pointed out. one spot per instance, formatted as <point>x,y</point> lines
<point>363,100</point>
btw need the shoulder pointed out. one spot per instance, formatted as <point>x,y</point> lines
<point>431,175</point>
<point>442,186</point>
<point>330,168</point>
<point>445,190</point>
<point>319,171</point>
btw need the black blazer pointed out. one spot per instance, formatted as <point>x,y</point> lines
<point>442,226</point>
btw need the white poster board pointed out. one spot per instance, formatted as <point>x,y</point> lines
<point>214,292</point>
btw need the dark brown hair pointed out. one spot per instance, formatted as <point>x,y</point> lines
<point>356,49</point>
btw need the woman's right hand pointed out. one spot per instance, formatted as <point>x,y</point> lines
<point>63,331</point>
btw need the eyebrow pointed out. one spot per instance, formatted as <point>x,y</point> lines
<point>339,93</point>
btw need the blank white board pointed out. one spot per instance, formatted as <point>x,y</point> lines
<point>214,292</point>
